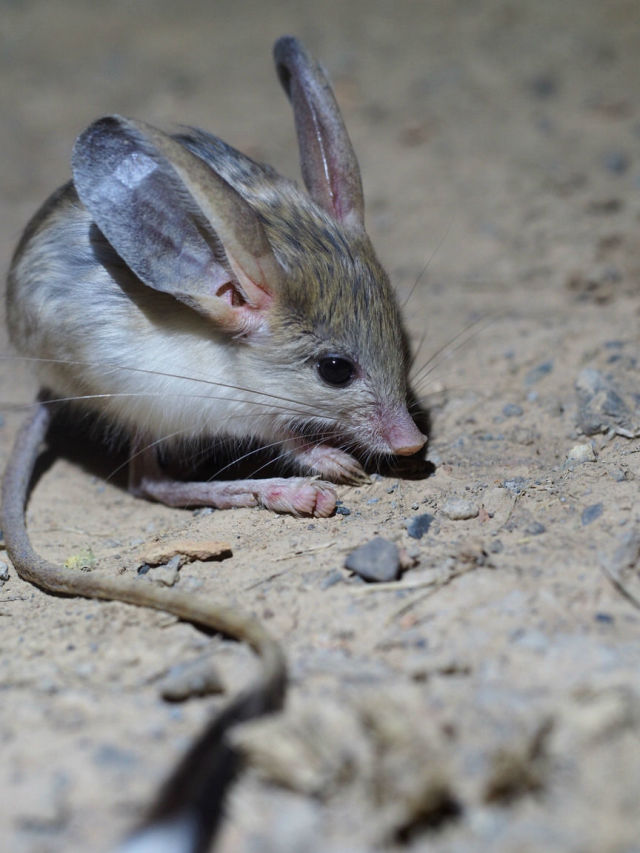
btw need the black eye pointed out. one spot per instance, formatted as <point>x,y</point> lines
<point>336,370</point>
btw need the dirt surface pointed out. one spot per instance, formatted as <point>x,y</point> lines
<point>490,699</point>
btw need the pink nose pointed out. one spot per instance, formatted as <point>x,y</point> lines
<point>403,435</point>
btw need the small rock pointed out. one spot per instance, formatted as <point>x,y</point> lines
<point>162,552</point>
<point>342,510</point>
<point>459,509</point>
<point>496,547</point>
<point>590,513</point>
<point>581,453</point>
<point>167,574</point>
<point>195,678</point>
<point>4,572</point>
<point>535,529</point>
<point>516,485</point>
<point>601,405</point>
<point>375,561</point>
<point>419,525</point>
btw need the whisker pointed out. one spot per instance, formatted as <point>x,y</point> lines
<point>430,258</point>
<point>461,339</point>
<point>414,357</point>
<point>145,395</point>
<point>150,372</point>
<point>237,460</point>
<point>142,450</point>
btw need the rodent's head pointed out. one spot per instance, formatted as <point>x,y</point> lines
<point>292,278</point>
<point>336,341</point>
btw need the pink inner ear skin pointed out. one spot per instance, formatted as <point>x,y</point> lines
<point>230,294</point>
<point>402,435</point>
<point>254,287</point>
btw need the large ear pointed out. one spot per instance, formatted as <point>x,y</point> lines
<point>176,223</point>
<point>329,166</point>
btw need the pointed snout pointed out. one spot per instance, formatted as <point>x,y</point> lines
<point>403,436</point>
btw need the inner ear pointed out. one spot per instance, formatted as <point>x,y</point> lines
<point>329,166</point>
<point>229,293</point>
<point>177,224</point>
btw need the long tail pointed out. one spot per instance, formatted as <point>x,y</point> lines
<point>188,809</point>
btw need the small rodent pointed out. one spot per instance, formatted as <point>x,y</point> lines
<point>187,293</point>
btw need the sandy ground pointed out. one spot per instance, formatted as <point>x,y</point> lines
<point>491,699</point>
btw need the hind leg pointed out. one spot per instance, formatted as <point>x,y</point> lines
<point>294,495</point>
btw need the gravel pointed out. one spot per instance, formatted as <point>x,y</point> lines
<point>419,525</point>
<point>376,561</point>
<point>459,509</point>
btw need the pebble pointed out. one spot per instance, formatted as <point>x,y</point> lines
<point>342,510</point>
<point>581,453</point>
<point>162,552</point>
<point>535,529</point>
<point>4,572</point>
<point>459,509</point>
<point>496,547</point>
<point>375,561</point>
<point>590,513</point>
<point>419,525</point>
<point>516,485</point>
<point>167,574</point>
<point>599,404</point>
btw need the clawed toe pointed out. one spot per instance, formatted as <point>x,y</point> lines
<point>333,464</point>
<point>298,496</point>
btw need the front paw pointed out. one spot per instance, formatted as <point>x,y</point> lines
<point>333,464</point>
